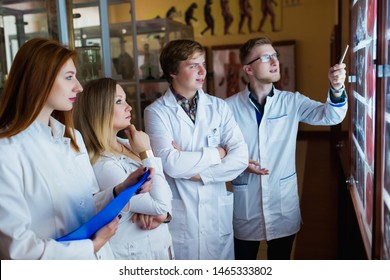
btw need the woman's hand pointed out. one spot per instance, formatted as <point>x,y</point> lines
<point>133,178</point>
<point>148,222</point>
<point>104,234</point>
<point>139,140</point>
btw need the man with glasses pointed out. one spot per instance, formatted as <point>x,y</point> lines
<point>266,203</point>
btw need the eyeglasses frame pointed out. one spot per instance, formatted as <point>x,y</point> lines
<point>265,58</point>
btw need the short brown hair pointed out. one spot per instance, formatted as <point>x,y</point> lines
<point>174,52</point>
<point>246,49</point>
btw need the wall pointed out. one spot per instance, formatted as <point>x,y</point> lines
<point>310,24</point>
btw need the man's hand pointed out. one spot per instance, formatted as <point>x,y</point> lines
<point>222,152</point>
<point>254,167</point>
<point>196,178</point>
<point>336,76</point>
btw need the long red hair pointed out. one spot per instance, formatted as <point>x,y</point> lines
<point>28,86</point>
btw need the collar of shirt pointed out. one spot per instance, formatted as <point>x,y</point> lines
<point>256,103</point>
<point>55,129</point>
<point>188,107</point>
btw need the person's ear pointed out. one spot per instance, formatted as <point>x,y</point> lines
<point>247,69</point>
<point>173,75</point>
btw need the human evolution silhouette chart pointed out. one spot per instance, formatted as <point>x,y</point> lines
<point>226,17</point>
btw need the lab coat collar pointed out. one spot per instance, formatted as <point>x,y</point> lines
<point>54,130</point>
<point>244,95</point>
<point>57,128</point>
<point>116,156</point>
<point>202,102</point>
<point>123,141</point>
<point>170,101</point>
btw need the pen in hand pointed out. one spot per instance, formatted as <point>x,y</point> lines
<point>344,54</point>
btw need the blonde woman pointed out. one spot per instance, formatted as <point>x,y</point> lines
<point>100,113</point>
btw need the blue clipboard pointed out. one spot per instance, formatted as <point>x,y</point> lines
<point>107,214</point>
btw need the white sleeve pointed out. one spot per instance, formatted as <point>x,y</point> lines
<point>18,240</point>
<point>236,159</point>
<point>177,164</point>
<point>156,202</point>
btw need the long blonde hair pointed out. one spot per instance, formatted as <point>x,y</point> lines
<point>93,115</point>
<point>28,86</point>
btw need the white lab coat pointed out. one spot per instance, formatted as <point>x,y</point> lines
<point>201,227</point>
<point>269,209</point>
<point>130,241</point>
<point>46,191</point>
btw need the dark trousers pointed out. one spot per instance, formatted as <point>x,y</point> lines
<point>277,249</point>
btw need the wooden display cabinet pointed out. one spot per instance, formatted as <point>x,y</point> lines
<point>369,92</point>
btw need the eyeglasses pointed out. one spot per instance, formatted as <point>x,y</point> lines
<point>265,58</point>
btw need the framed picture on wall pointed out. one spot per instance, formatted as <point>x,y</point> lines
<point>229,78</point>
<point>286,51</point>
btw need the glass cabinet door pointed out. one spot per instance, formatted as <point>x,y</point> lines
<point>102,33</point>
<point>20,21</point>
<point>86,39</point>
<point>123,53</point>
